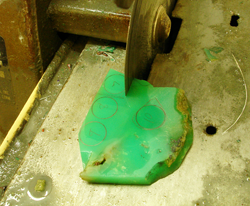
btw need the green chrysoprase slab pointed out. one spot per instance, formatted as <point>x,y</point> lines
<point>134,139</point>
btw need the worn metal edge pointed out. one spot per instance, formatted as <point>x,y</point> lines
<point>41,87</point>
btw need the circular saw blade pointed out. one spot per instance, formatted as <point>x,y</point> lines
<point>141,50</point>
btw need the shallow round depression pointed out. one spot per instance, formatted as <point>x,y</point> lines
<point>39,195</point>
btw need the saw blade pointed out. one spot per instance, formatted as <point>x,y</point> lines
<point>140,50</point>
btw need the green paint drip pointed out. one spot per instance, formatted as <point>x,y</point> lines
<point>134,139</point>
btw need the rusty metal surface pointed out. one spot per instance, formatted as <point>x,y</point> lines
<point>6,92</point>
<point>96,18</point>
<point>19,30</point>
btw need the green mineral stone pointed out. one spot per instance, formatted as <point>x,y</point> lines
<point>134,139</point>
<point>40,185</point>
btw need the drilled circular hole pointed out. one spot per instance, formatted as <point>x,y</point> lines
<point>211,130</point>
<point>234,20</point>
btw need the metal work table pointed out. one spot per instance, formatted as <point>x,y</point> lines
<point>216,171</point>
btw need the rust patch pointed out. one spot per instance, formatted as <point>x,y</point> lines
<point>101,162</point>
<point>176,145</point>
<point>109,24</point>
<point>184,107</point>
<point>19,31</point>
<point>119,18</point>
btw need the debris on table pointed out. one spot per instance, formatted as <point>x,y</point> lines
<point>215,50</point>
<point>102,53</point>
<point>69,66</point>
<point>40,185</point>
<point>106,55</point>
<point>107,49</point>
<point>30,142</point>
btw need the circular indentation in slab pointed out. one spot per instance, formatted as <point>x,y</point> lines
<point>39,195</point>
<point>211,130</point>
<point>104,107</point>
<point>150,117</point>
<point>93,133</point>
<point>114,84</point>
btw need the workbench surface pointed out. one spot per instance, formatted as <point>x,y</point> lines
<point>216,170</point>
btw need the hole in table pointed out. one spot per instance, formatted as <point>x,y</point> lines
<point>175,28</point>
<point>234,20</point>
<point>211,130</point>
